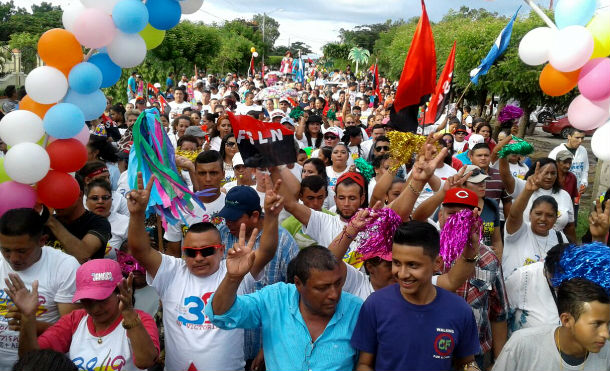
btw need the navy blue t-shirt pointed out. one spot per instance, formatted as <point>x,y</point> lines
<point>404,336</point>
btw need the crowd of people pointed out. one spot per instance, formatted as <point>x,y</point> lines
<point>268,274</point>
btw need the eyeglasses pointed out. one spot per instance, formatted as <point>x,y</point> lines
<point>230,144</point>
<point>330,136</point>
<point>476,172</point>
<point>379,148</point>
<point>205,251</point>
<point>97,198</point>
<point>350,122</point>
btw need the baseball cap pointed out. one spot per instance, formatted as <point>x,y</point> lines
<point>277,113</point>
<point>157,85</point>
<point>287,120</point>
<point>564,155</point>
<point>194,131</point>
<point>97,279</point>
<point>238,201</point>
<point>335,131</point>
<point>474,140</point>
<point>237,160</point>
<point>477,175</point>
<point>461,196</point>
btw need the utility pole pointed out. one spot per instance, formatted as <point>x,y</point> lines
<point>551,5</point>
<point>263,58</point>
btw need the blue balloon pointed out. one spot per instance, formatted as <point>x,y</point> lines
<point>574,12</point>
<point>163,14</point>
<point>111,73</point>
<point>92,105</point>
<point>130,16</point>
<point>85,78</point>
<point>63,121</point>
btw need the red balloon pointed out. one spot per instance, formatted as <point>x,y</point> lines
<point>67,155</point>
<point>58,190</point>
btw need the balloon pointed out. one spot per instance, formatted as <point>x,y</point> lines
<point>556,83</point>
<point>27,163</point>
<point>255,55</point>
<point>46,85</point>
<point>59,48</point>
<point>571,49</point>
<point>111,73</point>
<point>163,14</point>
<point>64,120</point>
<point>21,126</point>
<point>594,79</point>
<point>83,136</point>
<point>574,12</point>
<point>67,155</point>
<point>534,46</point>
<point>600,29</point>
<point>47,190</point>
<point>252,49</point>
<point>3,175</point>
<point>85,78</point>
<point>152,37</point>
<point>15,195</point>
<point>599,142</point>
<point>105,5</point>
<point>71,12</point>
<point>92,105</point>
<point>585,115</point>
<point>190,6</point>
<point>94,28</point>
<point>130,16</point>
<point>28,104</point>
<point>127,50</point>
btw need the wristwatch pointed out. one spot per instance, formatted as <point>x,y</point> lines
<point>472,365</point>
<point>472,260</point>
<point>130,325</point>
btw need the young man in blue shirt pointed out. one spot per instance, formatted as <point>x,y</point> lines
<point>414,325</point>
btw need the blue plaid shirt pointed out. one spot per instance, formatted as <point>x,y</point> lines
<point>275,271</point>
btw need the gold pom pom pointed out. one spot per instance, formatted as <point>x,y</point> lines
<point>403,146</point>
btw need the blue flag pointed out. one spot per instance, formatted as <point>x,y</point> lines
<point>496,50</point>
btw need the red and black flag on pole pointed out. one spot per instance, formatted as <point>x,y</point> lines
<point>375,71</point>
<point>263,144</point>
<point>440,98</point>
<point>418,78</point>
<point>251,71</point>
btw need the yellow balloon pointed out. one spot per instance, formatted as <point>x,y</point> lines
<point>252,49</point>
<point>152,37</point>
<point>600,30</point>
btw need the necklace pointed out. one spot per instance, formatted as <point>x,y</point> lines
<point>582,365</point>
<point>539,249</point>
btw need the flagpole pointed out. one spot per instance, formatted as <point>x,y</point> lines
<point>463,93</point>
<point>541,14</point>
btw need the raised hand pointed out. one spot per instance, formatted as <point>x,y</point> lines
<point>533,181</point>
<point>599,221</point>
<point>240,257</point>
<point>25,300</point>
<point>137,199</point>
<point>457,180</point>
<point>185,163</point>
<point>13,315</point>
<point>274,202</point>
<point>126,294</point>
<point>427,160</point>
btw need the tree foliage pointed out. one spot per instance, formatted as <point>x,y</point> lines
<point>365,36</point>
<point>337,50</point>
<point>17,19</point>
<point>272,29</point>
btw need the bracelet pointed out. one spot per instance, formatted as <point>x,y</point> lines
<point>417,193</point>
<point>471,364</point>
<point>129,326</point>
<point>351,237</point>
<point>471,260</point>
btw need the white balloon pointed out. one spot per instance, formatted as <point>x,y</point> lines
<point>190,6</point>
<point>571,49</point>
<point>255,54</point>
<point>46,85</point>
<point>21,126</point>
<point>599,142</point>
<point>534,46</point>
<point>71,13</point>
<point>127,50</point>
<point>27,163</point>
<point>105,5</point>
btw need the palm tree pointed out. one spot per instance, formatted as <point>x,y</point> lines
<point>359,55</point>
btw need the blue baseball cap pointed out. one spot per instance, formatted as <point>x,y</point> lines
<point>239,201</point>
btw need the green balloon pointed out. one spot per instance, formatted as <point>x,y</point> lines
<point>152,37</point>
<point>3,176</point>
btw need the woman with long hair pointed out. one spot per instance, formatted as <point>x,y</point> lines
<point>219,131</point>
<point>228,149</point>
<point>179,126</point>
<point>309,131</point>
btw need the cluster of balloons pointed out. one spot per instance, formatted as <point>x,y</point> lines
<point>47,135</point>
<point>577,54</point>
<point>254,52</point>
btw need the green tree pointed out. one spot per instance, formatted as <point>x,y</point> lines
<point>359,56</point>
<point>335,50</point>
<point>272,29</point>
<point>366,35</point>
<point>16,20</point>
<point>27,45</point>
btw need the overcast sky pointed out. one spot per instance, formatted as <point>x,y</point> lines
<point>316,22</point>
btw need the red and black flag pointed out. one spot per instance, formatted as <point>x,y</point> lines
<point>418,78</point>
<point>263,144</point>
<point>440,98</point>
<point>375,71</point>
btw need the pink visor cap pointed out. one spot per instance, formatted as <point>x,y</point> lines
<point>97,279</point>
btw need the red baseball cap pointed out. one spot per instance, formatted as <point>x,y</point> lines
<point>461,196</point>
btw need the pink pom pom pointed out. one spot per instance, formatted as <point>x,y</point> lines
<point>456,235</point>
<point>376,239</point>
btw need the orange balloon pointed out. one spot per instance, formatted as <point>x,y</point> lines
<point>59,48</point>
<point>556,83</point>
<point>29,104</point>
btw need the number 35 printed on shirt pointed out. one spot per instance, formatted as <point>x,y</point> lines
<point>195,307</point>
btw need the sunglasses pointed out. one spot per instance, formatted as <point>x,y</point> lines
<point>350,122</point>
<point>230,144</point>
<point>330,136</point>
<point>379,148</point>
<point>205,251</point>
<point>97,198</point>
<point>476,172</point>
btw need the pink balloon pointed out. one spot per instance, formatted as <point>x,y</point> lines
<point>585,114</point>
<point>82,137</point>
<point>594,79</point>
<point>94,28</point>
<point>15,195</point>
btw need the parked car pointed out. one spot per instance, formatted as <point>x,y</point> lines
<point>560,127</point>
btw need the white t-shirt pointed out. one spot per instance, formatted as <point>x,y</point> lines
<point>243,109</point>
<point>524,247</point>
<point>119,224</point>
<point>123,186</point>
<point>565,209</point>
<point>443,173</point>
<point>458,147</point>
<point>190,337</point>
<point>175,232</point>
<point>530,298</point>
<point>357,283</point>
<point>55,272</point>
<point>147,300</point>
<point>333,175</point>
<point>177,108</point>
<point>215,143</point>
